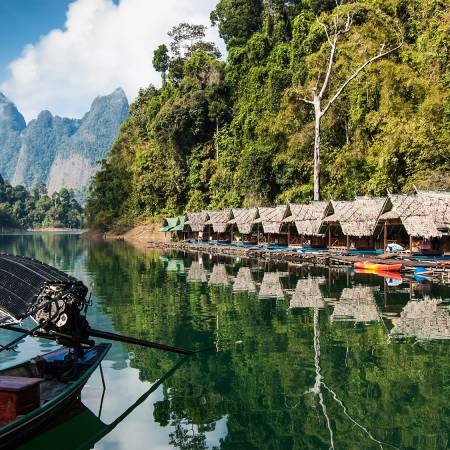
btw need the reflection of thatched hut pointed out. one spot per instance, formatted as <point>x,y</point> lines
<point>197,273</point>
<point>175,265</point>
<point>244,281</point>
<point>425,319</point>
<point>418,222</point>
<point>174,226</point>
<point>271,221</point>
<point>218,224</point>
<point>271,285</point>
<point>356,304</point>
<point>307,294</point>
<point>219,276</point>
<point>355,224</point>
<point>195,224</point>
<point>242,222</point>
<point>305,225</point>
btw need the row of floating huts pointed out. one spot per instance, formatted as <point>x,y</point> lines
<point>419,223</point>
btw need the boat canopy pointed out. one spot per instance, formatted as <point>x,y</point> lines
<point>22,281</point>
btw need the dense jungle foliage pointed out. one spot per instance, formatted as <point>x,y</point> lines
<point>20,208</point>
<point>236,132</point>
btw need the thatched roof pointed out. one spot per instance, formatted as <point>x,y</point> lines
<point>425,319</point>
<point>244,218</point>
<point>307,294</point>
<point>219,276</point>
<point>438,203</point>
<point>358,217</point>
<point>356,304</point>
<point>219,220</point>
<point>196,220</point>
<point>415,215</point>
<point>197,273</point>
<point>271,285</point>
<point>272,218</point>
<point>308,218</point>
<point>244,281</point>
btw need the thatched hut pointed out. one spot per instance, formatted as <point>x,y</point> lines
<point>423,320</point>
<point>307,293</point>
<point>355,224</point>
<point>357,304</point>
<point>217,225</point>
<point>242,225</point>
<point>271,285</point>
<point>244,281</point>
<point>270,222</point>
<point>305,225</point>
<point>410,221</point>
<point>195,225</point>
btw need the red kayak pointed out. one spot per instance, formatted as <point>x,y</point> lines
<point>368,265</point>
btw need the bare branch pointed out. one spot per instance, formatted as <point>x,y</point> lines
<point>357,72</point>
<point>306,100</point>
<point>330,66</point>
<point>325,29</point>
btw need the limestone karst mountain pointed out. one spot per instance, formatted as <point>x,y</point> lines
<point>58,151</point>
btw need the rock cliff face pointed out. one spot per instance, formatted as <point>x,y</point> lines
<point>58,151</point>
<point>12,124</point>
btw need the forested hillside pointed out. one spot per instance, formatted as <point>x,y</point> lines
<point>34,208</point>
<point>237,132</point>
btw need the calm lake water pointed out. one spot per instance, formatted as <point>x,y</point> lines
<point>299,358</point>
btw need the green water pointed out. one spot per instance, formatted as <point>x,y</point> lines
<point>300,358</point>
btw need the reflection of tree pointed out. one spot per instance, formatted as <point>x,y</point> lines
<point>374,390</point>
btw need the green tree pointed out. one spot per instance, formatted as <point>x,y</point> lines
<point>161,61</point>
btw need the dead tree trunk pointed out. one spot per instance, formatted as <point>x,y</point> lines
<point>338,29</point>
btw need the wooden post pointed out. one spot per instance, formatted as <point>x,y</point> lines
<point>329,236</point>
<point>231,234</point>
<point>348,241</point>
<point>289,233</point>
<point>385,237</point>
<point>410,244</point>
<point>258,233</point>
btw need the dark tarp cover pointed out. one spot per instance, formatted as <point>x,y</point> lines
<point>21,281</point>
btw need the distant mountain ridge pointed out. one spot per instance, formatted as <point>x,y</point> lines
<point>58,151</point>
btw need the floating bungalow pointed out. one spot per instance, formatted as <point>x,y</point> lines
<point>306,226</point>
<point>355,224</point>
<point>174,226</point>
<point>217,225</point>
<point>243,228</point>
<point>418,223</point>
<point>195,225</point>
<point>269,225</point>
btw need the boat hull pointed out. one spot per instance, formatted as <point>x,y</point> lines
<point>41,418</point>
<point>367,265</point>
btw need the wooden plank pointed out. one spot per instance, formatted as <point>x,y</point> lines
<point>17,384</point>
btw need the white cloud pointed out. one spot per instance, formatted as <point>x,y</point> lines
<point>103,46</point>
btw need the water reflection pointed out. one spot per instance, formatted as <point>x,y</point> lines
<point>307,357</point>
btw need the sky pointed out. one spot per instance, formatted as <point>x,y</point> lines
<point>61,54</point>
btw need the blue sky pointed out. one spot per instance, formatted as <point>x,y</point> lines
<point>24,21</point>
<point>61,54</point>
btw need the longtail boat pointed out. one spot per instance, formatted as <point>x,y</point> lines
<point>32,393</point>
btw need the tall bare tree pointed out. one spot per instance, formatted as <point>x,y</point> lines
<point>340,25</point>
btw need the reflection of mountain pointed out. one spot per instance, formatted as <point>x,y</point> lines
<point>219,276</point>
<point>244,280</point>
<point>307,294</point>
<point>271,285</point>
<point>356,304</point>
<point>197,273</point>
<point>423,320</point>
